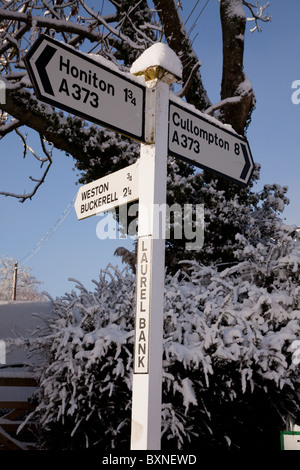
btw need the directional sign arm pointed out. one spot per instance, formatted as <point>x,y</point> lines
<point>120,187</point>
<point>208,144</point>
<point>77,83</point>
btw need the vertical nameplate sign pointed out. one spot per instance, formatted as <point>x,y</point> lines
<point>142,320</point>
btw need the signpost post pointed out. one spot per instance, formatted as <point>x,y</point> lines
<point>147,372</point>
<point>81,85</point>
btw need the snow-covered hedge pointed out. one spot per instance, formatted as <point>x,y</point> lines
<point>85,381</point>
<point>227,335</point>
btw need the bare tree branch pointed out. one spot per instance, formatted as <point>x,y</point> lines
<point>178,40</point>
<point>23,197</point>
<point>62,26</point>
<point>27,148</point>
<point>228,101</point>
<point>258,15</point>
<point>46,121</point>
<point>7,128</point>
<point>185,88</point>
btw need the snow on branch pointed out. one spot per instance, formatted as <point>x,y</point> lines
<point>258,15</point>
<point>114,31</point>
<point>7,128</point>
<point>60,25</point>
<point>227,101</point>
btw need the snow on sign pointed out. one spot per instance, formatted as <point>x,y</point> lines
<point>105,193</point>
<point>81,85</point>
<point>195,138</point>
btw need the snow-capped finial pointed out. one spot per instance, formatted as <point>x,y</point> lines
<point>158,61</point>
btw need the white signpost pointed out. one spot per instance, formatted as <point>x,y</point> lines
<point>75,82</point>
<point>120,187</point>
<point>147,373</point>
<point>81,85</point>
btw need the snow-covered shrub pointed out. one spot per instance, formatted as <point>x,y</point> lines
<point>228,340</point>
<point>228,372</point>
<point>85,381</point>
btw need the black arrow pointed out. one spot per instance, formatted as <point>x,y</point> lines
<point>247,162</point>
<point>41,65</point>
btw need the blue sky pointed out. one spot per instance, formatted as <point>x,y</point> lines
<point>73,250</point>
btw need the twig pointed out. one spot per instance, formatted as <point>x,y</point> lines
<point>23,197</point>
<point>231,101</point>
<point>257,16</point>
<point>189,81</point>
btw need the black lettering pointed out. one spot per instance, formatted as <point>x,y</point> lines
<point>140,361</point>
<point>142,336</point>
<point>62,64</point>
<point>175,137</point>
<point>144,258</point>
<point>77,93</point>
<point>144,269</point>
<point>74,71</point>
<point>64,87</point>
<point>183,141</point>
<point>142,348</point>
<point>110,90</point>
<point>95,100</point>
<point>83,76</point>
<point>203,134</point>
<point>176,119</point>
<point>196,146</point>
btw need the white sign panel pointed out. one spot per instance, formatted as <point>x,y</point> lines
<point>81,85</point>
<point>142,317</point>
<point>120,187</point>
<point>196,139</point>
<point>290,440</point>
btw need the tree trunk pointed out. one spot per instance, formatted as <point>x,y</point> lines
<point>234,81</point>
<point>179,41</point>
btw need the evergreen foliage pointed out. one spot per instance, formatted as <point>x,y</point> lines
<point>229,378</point>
